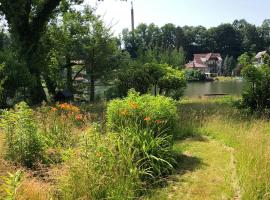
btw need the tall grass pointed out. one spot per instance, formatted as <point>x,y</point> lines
<point>133,155</point>
<point>23,142</point>
<point>248,135</point>
<point>101,168</point>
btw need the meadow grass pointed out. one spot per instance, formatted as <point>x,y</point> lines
<point>217,119</point>
<point>204,172</point>
<point>248,135</point>
<point>96,163</point>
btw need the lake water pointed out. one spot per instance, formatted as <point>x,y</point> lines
<point>195,89</point>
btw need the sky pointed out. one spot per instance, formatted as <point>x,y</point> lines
<point>207,13</point>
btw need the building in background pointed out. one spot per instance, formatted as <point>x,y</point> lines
<point>208,63</point>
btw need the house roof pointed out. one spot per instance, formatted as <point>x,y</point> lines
<point>200,59</point>
<point>260,54</point>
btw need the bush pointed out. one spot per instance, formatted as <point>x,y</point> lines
<point>162,78</point>
<point>146,123</point>
<point>157,114</point>
<point>194,75</point>
<point>256,94</point>
<point>23,141</point>
<point>172,83</point>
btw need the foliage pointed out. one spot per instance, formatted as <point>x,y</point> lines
<point>135,153</point>
<point>175,58</point>
<point>102,169</point>
<point>48,142</point>
<point>256,93</point>
<point>11,184</point>
<point>23,141</point>
<point>228,65</point>
<point>26,27</point>
<point>194,75</point>
<point>147,124</point>
<point>162,77</point>
<point>59,124</point>
<point>157,114</point>
<point>173,83</point>
<point>153,155</point>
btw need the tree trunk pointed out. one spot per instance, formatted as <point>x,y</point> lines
<point>69,79</point>
<point>160,90</point>
<point>155,90</point>
<point>92,88</point>
<point>37,93</point>
<point>50,85</point>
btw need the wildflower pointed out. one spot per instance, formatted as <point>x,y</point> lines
<point>69,107</point>
<point>53,109</point>
<point>133,105</point>
<point>79,117</point>
<point>70,113</point>
<point>159,121</point>
<point>147,119</point>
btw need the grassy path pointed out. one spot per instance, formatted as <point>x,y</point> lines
<point>206,172</point>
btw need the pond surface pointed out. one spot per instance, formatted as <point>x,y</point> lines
<point>195,89</point>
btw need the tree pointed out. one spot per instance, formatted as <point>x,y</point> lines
<point>98,49</point>
<point>27,21</point>
<point>173,57</point>
<point>228,66</point>
<point>143,78</point>
<point>168,34</point>
<point>264,32</point>
<point>172,83</point>
<point>227,39</point>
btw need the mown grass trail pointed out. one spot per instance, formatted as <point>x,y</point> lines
<point>206,171</point>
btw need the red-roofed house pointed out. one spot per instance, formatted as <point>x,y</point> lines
<point>209,63</point>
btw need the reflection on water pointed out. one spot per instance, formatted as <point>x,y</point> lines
<point>195,89</point>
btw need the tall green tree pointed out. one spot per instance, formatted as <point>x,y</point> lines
<point>27,21</point>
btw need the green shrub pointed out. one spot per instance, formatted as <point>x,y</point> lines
<point>256,93</point>
<point>158,114</point>
<point>23,141</point>
<point>194,75</point>
<point>173,83</point>
<point>161,78</point>
<point>148,123</point>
